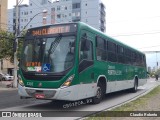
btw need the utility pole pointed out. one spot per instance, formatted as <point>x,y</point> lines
<point>16,44</point>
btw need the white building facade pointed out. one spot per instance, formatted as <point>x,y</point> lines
<point>91,12</point>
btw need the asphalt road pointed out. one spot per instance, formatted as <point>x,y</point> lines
<point>9,101</point>
<point>10,98</point>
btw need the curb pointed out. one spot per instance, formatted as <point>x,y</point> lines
<point>132,99</point>
<point>125,102</point>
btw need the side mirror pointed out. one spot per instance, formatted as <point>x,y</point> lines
<point>26,50</point>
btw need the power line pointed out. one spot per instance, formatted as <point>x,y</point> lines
<point>151,52</point>
<point>137,19</point>
<point>135,34</point>
<point>150,47</point>
<point>35,3</point>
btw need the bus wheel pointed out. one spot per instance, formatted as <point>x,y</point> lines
<point>134,89</point>
<point>99,94</point>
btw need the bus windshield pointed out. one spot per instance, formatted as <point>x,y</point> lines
<point>54,54</point>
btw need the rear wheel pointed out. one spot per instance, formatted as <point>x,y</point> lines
<point>99,94</point>
<point>134,89</point>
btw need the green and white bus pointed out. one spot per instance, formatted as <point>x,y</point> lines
<point>74,61</point>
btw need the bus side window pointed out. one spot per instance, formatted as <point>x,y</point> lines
<point>86,48</point>
<point>101,53</point>
<point>112,54</point>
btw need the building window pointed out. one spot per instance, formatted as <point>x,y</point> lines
<point>30,4</point>
<point>76,5</point>
<point>77,14</point>
<point>58,8</point>
<point>52,17</point>
<point>73,14</point>
<point>59,16</point>
<point>44,2</point>
<point>30,11</point>
<point>52,9</point>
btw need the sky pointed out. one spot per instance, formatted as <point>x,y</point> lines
<point>133,22</point>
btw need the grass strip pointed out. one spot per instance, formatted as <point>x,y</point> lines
<point>139,103</point>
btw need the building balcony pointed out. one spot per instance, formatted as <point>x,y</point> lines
<point>103,19</point>
<point>103,13</point>
<point>102,6</point>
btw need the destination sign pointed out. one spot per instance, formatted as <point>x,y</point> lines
<point>52,29</point>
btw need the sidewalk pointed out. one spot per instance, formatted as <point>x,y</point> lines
<point>6,85</point>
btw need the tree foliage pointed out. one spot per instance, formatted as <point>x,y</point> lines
<point>6,45</point>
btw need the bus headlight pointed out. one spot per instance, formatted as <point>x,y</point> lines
<point>68,81</point>
<point>20,81</point>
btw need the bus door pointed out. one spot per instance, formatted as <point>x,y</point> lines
<point>86,63</point>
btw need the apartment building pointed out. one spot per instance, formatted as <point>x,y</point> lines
<point>91,12</point>
<point>3,14</point>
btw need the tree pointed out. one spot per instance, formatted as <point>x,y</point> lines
<point>7,44</point>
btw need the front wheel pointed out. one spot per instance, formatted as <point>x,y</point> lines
<point>99,94</point>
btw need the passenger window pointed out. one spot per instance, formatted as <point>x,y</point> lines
<point>86,48</point>
<point>120,54</point>
<point>101,49</point>
<point>112,56</point>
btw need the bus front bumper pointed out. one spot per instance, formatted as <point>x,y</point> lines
<point>50,94</point>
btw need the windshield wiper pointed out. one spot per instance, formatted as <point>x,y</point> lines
<point>54,45</point>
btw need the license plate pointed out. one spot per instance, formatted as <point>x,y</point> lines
<point>40,96</point>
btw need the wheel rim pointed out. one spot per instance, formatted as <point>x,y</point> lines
<point>99,94</point>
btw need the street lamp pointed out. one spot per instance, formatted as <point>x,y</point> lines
<point>16,43</point>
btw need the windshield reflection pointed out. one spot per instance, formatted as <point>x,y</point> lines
<point>54,54</point>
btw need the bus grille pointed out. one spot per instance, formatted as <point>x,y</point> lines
<point>48,93</point>
<point>43,78</point>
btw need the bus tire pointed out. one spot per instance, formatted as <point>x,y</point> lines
<point>99,94</point>
<point>134,89</point>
